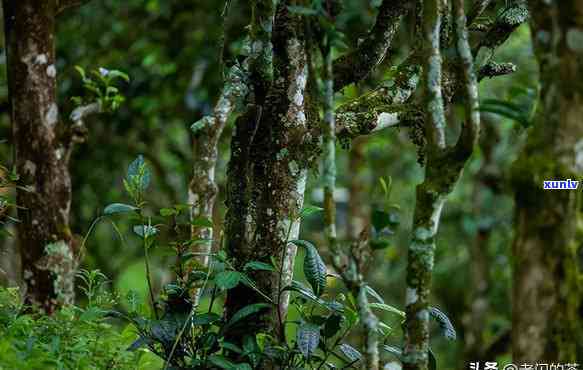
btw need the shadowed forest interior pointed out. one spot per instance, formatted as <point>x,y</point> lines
<point>291,184</point>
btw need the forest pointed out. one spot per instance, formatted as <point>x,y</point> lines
<point>291,184</point>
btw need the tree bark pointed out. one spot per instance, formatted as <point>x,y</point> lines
<point>475,320</point>
<point>442,171</point>
<point>203,188</point>
<point>547,293</point>
<point>273,145</point>
<point>45,240</point>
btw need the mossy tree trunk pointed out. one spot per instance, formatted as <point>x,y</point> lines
<point>45,198</point>
<point>274,142</point>
<point>42,147</point>
<point>547,293</point>
<point>442,170</point>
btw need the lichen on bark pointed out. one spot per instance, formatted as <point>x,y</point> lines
<point>547,293</point>
<point>443,168</point>
<point>44,195</point>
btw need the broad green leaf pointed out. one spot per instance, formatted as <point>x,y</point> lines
<point>397,352</point>
<point>445,324</point>
<point>298,287</point>
<point>314,267</point>
<point>138,343</point>
<point>258,266</point>
<point>388,308</point>
<point>165,212</point>
<point>332,325</point>
<point>232,347</point>
<point>384,329</point>
<point>432,361</point>
<point>350,352</point>
<point>119,208</point>
<point>227,279</point>
<point>379,219</point>
<point>205,318</point>
<point>245,312</point>
<point>222,362</point>
<point>201,222</point>
<point>139,173</point>
<point>243,366</point>
<point>115,74</point>
<point>309,210</point>
<point>308,337</point>
<point>373,293</point>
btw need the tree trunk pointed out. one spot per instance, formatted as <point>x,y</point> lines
<point>270,152</point>
<point>41,159</point>
<point>475,320</point>
<point>547,292</point>
<point>442,170</point>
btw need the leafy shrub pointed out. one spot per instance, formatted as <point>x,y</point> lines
<point>72,338</point>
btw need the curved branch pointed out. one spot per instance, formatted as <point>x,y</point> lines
<point>356,65</point>
<point>66,4</point>
<point>471,128</point>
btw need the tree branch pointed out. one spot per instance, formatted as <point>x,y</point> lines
<point>493,69</point>
<point>442,170</point>
<point>477,10</point>
<point>356,65</point>
<point>78,131</point>
<point>350,265</point>
<point>66,4</point>
<point>471,128</point>
<point>364,114</point>
<point>508,20</point>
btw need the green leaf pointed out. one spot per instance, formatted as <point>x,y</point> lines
<point>81,72</point>
<point>118,74</point>
<point>245,312</point>
<point>332,325</point>
<point>314,267</point>
<point>432,361</point>
<point>298,287</point>
<point>258,266</point>
<point>373,293</point>
<point>165,212</point>
<point>447,328</point>
<point>119,208</point>
<point>388,308</point>
<point>139,173</point>
<point>380,219</point>
<point>227,279</point>
<point>397,352</point>
<point>308,337</point>
<point>302,10</point>
<point>145,231</point>
<point>201,222</point>
<point>232,347</point>
<point>205,318</point>
<point>386,187</point>
<point>350,352</point>
<point>310,210</point>
<point>379,243</point>
<point>139,343</point>
<point>221,362</point>
<point>243,366</point>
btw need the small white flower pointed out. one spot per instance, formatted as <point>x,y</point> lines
<point>103,72</point>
